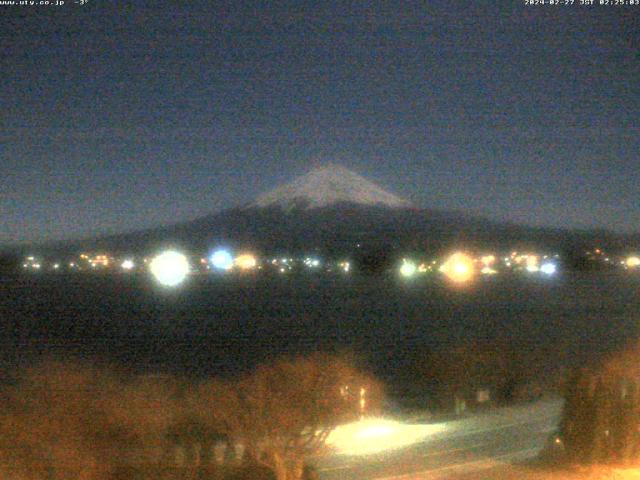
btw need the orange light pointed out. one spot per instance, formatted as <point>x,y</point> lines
<point>488,260</point>
<point>532,263</point>
<point>459,268</point>
<point>633,262</point>
<point>246,261</point>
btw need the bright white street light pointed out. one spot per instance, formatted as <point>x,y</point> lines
<point>548,268</point>
<point>127,265</point>
<point>170,268</point>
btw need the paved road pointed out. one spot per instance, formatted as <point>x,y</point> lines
<point>446,450</point>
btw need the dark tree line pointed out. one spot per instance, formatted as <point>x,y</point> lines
<point>455,373</point>
<point>601,418</point>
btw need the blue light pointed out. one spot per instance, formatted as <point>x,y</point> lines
<point>549,268</point>
<point>222,260</point>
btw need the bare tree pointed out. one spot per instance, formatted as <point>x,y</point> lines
<point>282,413</point>
<point>64,421</point>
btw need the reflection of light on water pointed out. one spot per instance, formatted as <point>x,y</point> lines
<point>377,435</point>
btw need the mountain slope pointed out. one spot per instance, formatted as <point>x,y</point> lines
<point>333,209</point>
<point>329,185</point>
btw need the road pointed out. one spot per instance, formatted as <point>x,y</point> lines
<point>444,450</point>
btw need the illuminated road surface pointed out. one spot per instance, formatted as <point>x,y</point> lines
<point>486,441</point>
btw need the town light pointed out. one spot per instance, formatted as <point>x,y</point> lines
<point>311,262</point>
<point>633,261</point>
<point>459,268</point>
<point>346,266</point>
<point>127,265</point>
<point>407,269</point>
<point>246,261</point>
<point>222,260</point>
<point>488,260</point>
<point>532,263</point>
<point>170,268</point>
<point>548,268</point>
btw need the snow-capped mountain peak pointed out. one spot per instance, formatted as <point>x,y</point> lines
<point>328,185</point>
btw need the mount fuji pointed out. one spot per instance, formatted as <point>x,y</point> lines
<point>329,185</point>
<point>334,210</point>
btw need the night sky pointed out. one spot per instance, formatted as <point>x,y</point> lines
<point>116,116</point>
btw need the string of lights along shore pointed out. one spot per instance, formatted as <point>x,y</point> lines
<point>171,268</point>
<point>331,193</point>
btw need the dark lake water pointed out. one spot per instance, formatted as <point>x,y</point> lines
<point>214,325</point>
